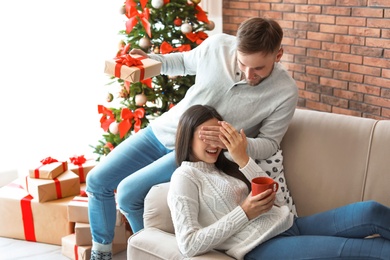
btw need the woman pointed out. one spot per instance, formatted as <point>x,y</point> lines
<point>212,207</point>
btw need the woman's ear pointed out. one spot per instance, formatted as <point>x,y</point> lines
<point>279,54</point>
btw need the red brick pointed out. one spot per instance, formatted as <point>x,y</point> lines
<point>272,15</point>
<point>322,2</point>
<point>367,12</point>
<point>319,71</point>
<point>364,88</point>
<point>294,67</point>
<point>386,54</point>
<point>334,101</point>
<point>367,51</point>
<point>347,39</point>
<point>238,5</point>
<point>318,106</point>
<point>327,19</point>
<point>352,2</point>
<point>327,28</point>
<point>295,17</point>
<point>248,13</point>
<point>287,57</point>
<point>350,58</point>
<point>336,65</point>
<point>351,20</point>
<point>387,13</point>
<point>377,81</point>
<point>334,83</point>
<point>283,7</point>
<point>386,73</point>
<point>308,43</point>
<point>293,33</point>
<point>309,95</point>
<point>317,88</point>
<point>386,113</point>
<point>379,3</point>
<point>348,76</point>
<point>366,70</point>
<point>306,77</point>
<point>307,26</point>
<point>313,9</point>
<point>375,117</point>
<point>295,1</point>
<point>376,62</point>
<point>328,37</point>
<point>386,33</point>
<point>385,92</point>
<point>307,60</point>
<point>336,10</point>
<point>260,6</point>
<point>288,41</point>
<point>364,31</point>
<point>286,24</point>
<point>320,54</point>
<point>378,101</point>
<point>294,50</point>
<point>336,47</point>
<point>364,108</point>
<point>378,23</point>
<point>380,43</point>
<point>339,110</point>
<point>348,94</point>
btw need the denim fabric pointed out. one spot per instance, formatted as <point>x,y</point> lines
<point>336,234</point>
<point>132,168</point>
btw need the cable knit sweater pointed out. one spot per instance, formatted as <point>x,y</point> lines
<point>206,212</point>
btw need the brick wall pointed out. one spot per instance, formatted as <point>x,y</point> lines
<point>338,51</point>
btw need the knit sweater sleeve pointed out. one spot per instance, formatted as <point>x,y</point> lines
<point>184,202</point>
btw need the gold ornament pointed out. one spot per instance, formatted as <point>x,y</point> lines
<point>210,26</point>
<point>196,1</point>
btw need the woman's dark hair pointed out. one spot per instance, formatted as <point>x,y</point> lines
<point>259,35</point>
<point>189,121</point>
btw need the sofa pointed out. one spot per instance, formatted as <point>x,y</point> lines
<point>330,160</point>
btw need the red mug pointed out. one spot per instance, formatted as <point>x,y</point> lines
<point>261,184</point>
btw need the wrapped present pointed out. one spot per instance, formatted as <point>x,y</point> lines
<point>81,166</point>
<point>84,236</point>
<point>73,251</point>
<point>23,217</point>
<point>50,168</point>
<point>78,211</point>
<point>132,68</point>
<point>83,190</point>
<point>65,185</point>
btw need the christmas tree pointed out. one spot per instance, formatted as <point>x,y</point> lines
<point>158,26</point>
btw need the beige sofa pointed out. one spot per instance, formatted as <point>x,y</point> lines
<point>330,160</point>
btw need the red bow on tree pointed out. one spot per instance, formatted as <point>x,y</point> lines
<point>197,37</point>
<point>167,48</point>
<point>78,160</point>
<point>133,15</point>
<point>201,15</point>
<point>107,117</point>
<point>127,116</point>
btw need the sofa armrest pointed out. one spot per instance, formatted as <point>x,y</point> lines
<point>157,213</point>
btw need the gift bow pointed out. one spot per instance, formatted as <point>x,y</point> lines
<point>197,37</point>
<point>127,115</point>
<point>48,160</point>
<point>78,160</point>
<point>167,48</point>
<point>132,13</point>
<point>129,61</point>
<point>107,117</point>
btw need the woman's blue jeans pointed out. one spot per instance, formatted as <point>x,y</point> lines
<point>334,234</point>
<point>131,169</point>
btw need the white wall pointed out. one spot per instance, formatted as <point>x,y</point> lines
<point>51,76</point>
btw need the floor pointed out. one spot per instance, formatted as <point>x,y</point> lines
<point>14,249</point>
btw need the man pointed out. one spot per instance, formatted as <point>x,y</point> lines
<point>240,77</point>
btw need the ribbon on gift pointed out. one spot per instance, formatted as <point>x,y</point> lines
<point>133,15</point>
<point>58,188</point>
<point>27,215</point>
<point>197,37</point>
<point>79,161</point>
<point>107,117</point>
<point>127,116</point>
<point>48,160</point>
<point>129,61</point>
<point>76,252</point>
<point>165,47</point>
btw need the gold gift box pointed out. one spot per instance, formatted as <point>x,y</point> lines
<point>23,217</point>
<point>65,185</point>
<point>48,171</point>
<point>150,69</point>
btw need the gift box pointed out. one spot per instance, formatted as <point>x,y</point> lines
<point>65,185</point>
<point>71,250</point>
<point>49,169</point>
<point>23,217</point>
<point>78,211</point>
<point>123,67</point>
<point>81,166</point>
<point>83,190</point>
<point>84,236</point>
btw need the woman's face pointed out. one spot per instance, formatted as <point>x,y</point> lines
<point>200,150</point>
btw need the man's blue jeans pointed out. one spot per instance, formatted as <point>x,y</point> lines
<point>132,168</point>
<point>334,234</point>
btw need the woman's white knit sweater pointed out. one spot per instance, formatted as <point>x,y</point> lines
<point>206,212</point>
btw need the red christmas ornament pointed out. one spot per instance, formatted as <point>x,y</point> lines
<point>178,21</point>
